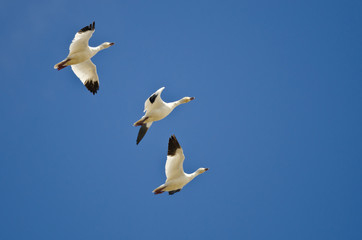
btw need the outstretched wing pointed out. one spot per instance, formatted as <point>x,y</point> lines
<point>142,132</point>
<point>81,38</point>
<point>175,159</point>
<point>87,72</point>
<point>153,100</point>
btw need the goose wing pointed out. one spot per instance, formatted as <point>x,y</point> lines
<point>175,159</point>
<point>87,72</point>
<point>142,132</point>
<point>81,38</point>
<point>153,100</point>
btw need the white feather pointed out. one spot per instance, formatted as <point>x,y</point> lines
<point>80,41</point>
<point>174,165</point>
<point>86,71</point>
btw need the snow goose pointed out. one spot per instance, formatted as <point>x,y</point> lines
<point>79,58</point>
<point>156,109</point>
<point>176,177</point>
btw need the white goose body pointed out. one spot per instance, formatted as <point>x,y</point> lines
<point>158,112</point>
<point>176,177</point>
<point>155,110</point>
<point>179,182</point>
<point>79,58</point>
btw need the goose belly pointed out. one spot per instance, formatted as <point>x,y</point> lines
<point>176,184</point>
<point>79,57</point>
<point>159,114</point>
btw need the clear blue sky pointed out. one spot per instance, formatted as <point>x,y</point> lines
<point>277,119</point>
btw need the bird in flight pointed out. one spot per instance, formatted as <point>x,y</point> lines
<point>156,109</point>
<point>79,58</point>
<point>176,177</point>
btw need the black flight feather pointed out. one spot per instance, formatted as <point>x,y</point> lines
<point>91,27</point>
<point>173,192</point>
<point>153,98</point>
<point>173,145</point>
<point>141,133</point>
<point>92,86</point>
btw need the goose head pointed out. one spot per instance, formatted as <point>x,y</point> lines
<point>186,99</point>
<point>201,170</point>
<point>107,44</point>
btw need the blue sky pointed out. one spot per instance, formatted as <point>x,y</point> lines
<point>277,119</point>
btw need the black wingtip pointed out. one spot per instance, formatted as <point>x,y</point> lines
<point>173,145</point>
<point>91,27</point>
<point>153,98</point>
<point>173,192</point>
<point>141,133</point>
<point>92,86</point>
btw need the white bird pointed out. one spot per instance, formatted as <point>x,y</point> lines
<point>156,109</point>
<point>80,55</point>
<point>176,177</point>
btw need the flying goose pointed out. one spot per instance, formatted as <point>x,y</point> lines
<point>176,177</point>
<point>156,109</point>
<point>79,58</point>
